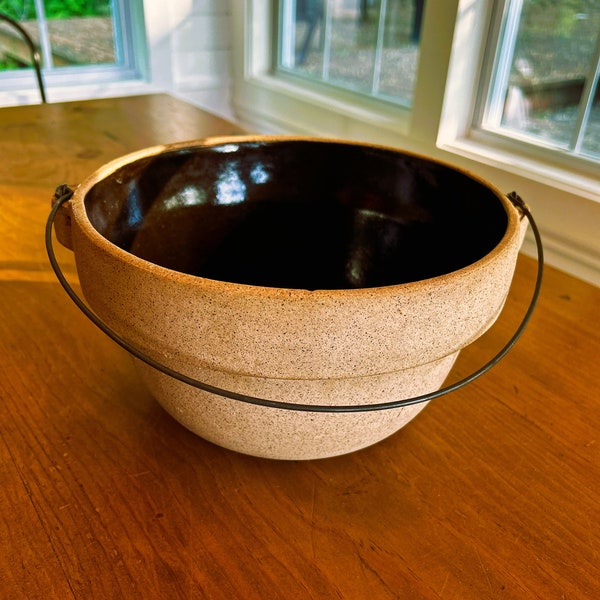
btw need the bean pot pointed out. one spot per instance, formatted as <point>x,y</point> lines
<point>303,270</point>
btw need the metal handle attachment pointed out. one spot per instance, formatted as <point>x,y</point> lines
<point>64,194</point>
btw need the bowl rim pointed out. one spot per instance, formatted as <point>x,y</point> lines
<point>80,217</point>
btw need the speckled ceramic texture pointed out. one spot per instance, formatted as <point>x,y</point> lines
<point>324,346</point>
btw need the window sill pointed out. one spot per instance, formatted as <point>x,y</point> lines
<point>77,92</point>
<point>565,204</point>
<point>280,104</point>
<point>480,151</point>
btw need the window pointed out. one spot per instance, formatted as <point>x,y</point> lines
<point>80,41</point>
<point>367,46</point>
<point>543,88</point>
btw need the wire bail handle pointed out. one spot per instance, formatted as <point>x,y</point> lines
<point>64,193</point>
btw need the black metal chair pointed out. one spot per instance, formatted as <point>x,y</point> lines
<point>35,55</point>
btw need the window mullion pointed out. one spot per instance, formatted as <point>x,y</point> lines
<point>379,48</point>
<point>328,34</point>
<point>288,42</point>
<point>587,99</point>
<point>506,54</point>
<point>120,48</point>
<point>44,35</point>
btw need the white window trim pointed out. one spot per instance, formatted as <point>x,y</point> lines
<point>566,203</point>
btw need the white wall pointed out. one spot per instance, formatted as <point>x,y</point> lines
<point>190,50</point>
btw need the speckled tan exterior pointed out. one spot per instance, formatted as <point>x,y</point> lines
<point>323,347</point>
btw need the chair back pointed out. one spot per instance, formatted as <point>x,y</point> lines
<point>35,55</point>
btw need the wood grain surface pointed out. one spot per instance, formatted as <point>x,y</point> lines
<point>491,492</point>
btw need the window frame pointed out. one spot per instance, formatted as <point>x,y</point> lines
<point>339,111</point>
<point>500,142</point>
<point>460,134</point>
<point>129,24</point>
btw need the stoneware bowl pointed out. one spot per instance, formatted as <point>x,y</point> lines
<point>292,269</point>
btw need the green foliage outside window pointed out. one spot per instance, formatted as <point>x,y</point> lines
<point>24,10</point>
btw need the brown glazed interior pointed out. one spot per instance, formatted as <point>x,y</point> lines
<point>300,214</point>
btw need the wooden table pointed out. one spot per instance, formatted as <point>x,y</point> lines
<point>491,492</point>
